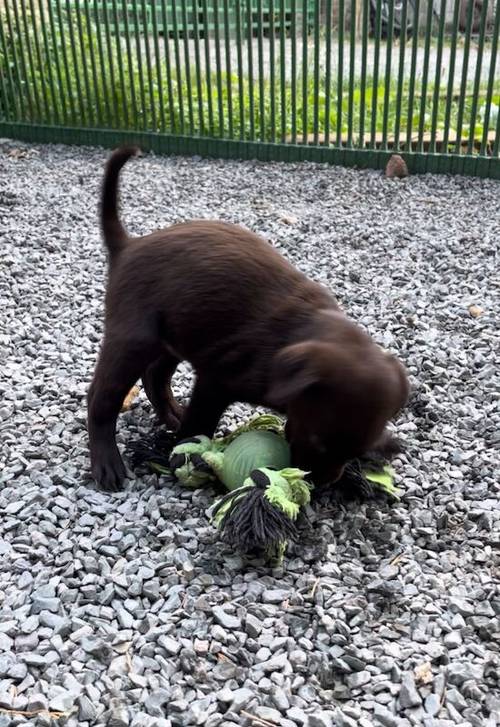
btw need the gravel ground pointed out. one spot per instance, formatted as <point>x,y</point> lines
<point>127,609</point>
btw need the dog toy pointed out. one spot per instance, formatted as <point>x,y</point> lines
<point>265,494</point>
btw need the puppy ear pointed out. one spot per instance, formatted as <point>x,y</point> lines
<point>293,371</point>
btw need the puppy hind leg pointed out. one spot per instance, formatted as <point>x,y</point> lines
<point>119,366</point>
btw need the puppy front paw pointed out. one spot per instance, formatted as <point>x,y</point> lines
<point>109,471</point>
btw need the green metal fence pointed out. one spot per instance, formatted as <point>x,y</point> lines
<point>342,81</point>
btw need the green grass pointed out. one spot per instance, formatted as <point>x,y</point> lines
<point>76,79</point>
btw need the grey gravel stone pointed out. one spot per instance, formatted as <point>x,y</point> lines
<point>253,626</point>
<point>276,663</point>
<point>321,719</point>
<point>275,595</point>
<point>268,713</point>
<point>240,699</point>
<point>408,694</point>
<point>62,702</point>
<point>339,719</point>
<point>358,679</point>
<point>225,619</point>
<point>460,672</point>
<point>384,717</point>
<point>432,704</point>
<point>171,646</point>
<point>156,702</point>
<point>280,699</point>
<point>118,717</point>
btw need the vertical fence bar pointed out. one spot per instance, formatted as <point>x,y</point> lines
<point>272,70</point>
<point>60,86</point>
<point>364,62</point>
<point>388,69</point>
<point>352,72</point>
<point>250,69</point>
<point>19,64</point>
<point>64,54</point>
<point>239,58</point>
<point>168,67</point>
<point>177,56</point>
<point>477,79</point>
<point>197,66</point>
<point>465,70</point>
<point>496,143</point>
<point>376,60</point>
<point>6,105</point>
<point>168,71</point>
<point>103,76</point>
<point>74,61</point>
<point>413,71</point>
<point>401,75</point>
<point>451,76</point>
<point>328,69</point>
<point>130,66</point>
<point>17,85</point>
<point>187,66</point>
<point>437,77</point>
<point>491,81</point>
<point>13,105</point>
<point>282,71</point>
<point>208,67</point>
<point>260,60</point>
<point>38,54</point>
<point>98,115</point>
<point>425,77</point>
<point>317,8</point>
<point>83,57</point>
<point>31,75</point>
<point>140,71</point>
<point>340,72</point>
<point>218,67</point>
<point>158,65</point>
<point>54,113</point>
<point>111,66</point>
<point>305,71</point>
<point>293,70</point>
<point>229,80</point>
<point>149,68</point>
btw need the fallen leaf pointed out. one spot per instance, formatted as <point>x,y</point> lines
<point>423,673</point>
<point>476,311</point>
<point>396,167</point>
<point>130,398</point>
<point>289,219</point>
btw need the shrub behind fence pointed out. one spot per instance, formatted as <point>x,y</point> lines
<point>344,81</point>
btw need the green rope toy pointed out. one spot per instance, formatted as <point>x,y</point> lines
<point>265,494</point>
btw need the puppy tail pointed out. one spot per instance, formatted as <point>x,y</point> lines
<point>115,235</point>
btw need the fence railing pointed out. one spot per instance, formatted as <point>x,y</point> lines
<point>344,81</point>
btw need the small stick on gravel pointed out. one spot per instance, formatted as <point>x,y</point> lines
<point>34,713</point>
<point>258,720</point>
<point>315,587</point>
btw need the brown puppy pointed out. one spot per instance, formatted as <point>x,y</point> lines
<point>254,329</point>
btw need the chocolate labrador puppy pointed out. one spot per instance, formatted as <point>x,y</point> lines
<point>253,327</point>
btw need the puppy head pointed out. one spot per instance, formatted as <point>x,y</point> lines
<point>338,400</point>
